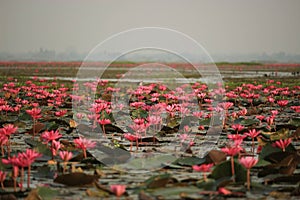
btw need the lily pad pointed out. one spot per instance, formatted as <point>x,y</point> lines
<point>224,170</point>
<point>76,179</point>
<point>295,122</point>
<point>190,161</point>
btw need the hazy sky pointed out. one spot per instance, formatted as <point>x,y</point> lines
<point>222,27</point>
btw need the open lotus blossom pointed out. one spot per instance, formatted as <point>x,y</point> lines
<point>60,113</point>
<point>282,103</point>
<point>2,178</point>
<point>35,113</point>
<point>253,134</point>
<point>49,136</point>
<point>26,159</point>
<point>65,156</point>
<point>203,168</point>
<point>104,122</point>
<point>84,144</point>
<point>283,143</point>
<point>131,138</point>
<point>118,190</point>
<point>248,162</point>
<point>6,131</point>
<point>236,137</point>
<point>15,164</point>
<point>232,151</point>
<point>296,108</point>
<point>237,127</point>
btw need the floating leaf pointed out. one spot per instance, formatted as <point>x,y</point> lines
<point>249,122</point>
<point>176,192</point>
<point>281,134</point>
<point>149,163</point>
<point>295,121</point>
<point>157,181</point>
<point>47,193</point>
<point>269,149</point>
<point>215,156</point>
<point>224,170</point>
<point>190,161</point>
<point>76,179</point>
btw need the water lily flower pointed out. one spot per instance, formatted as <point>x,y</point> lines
<point>203,168</point>
<point>35,113</point>
<point>282,143</point>
<point>232,151</point>
<point>248,162</point>
<point>84,144</point>
<point>104,122</point>
<point>131,138</point>
<point>118,190</point>
<point>6,131</point>
<point>237,127</point>
<point>282,103</point>
<point>253,134</point>
<point>65,156</point>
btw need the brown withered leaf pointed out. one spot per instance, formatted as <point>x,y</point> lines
<point>215,156</point>
<point>76,179</point>
<point>38,127</point>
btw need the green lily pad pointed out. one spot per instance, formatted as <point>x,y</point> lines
<point>176,192</point>
<point>190,161</point>
<point>269,149</point>
<point>47,193</point>
<point>224,170</point>
<point>295,121</point>
<point>148,163</point>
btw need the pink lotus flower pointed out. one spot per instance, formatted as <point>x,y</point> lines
<point>65,155</point>
<point>35,113</point>
<point>118,190</point>
<point>237,127</point>
<point>282,144</point>
<point>25,159</point>
<point>224,191</point>
<point>84,144</point>
<point>131,138</point>
<point>203,168</point>
<point>231,151</point>
<point>104,122</point>
<point>248,162</point>
<point>296,108</point>
<point>236,137</point>
<point>282,103</point>
<point>252,133</point>
<point>8,129</point>
<point>55,146</point>
<point>60,113</point>
<point>15,163</point>
<point>49,136</point>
